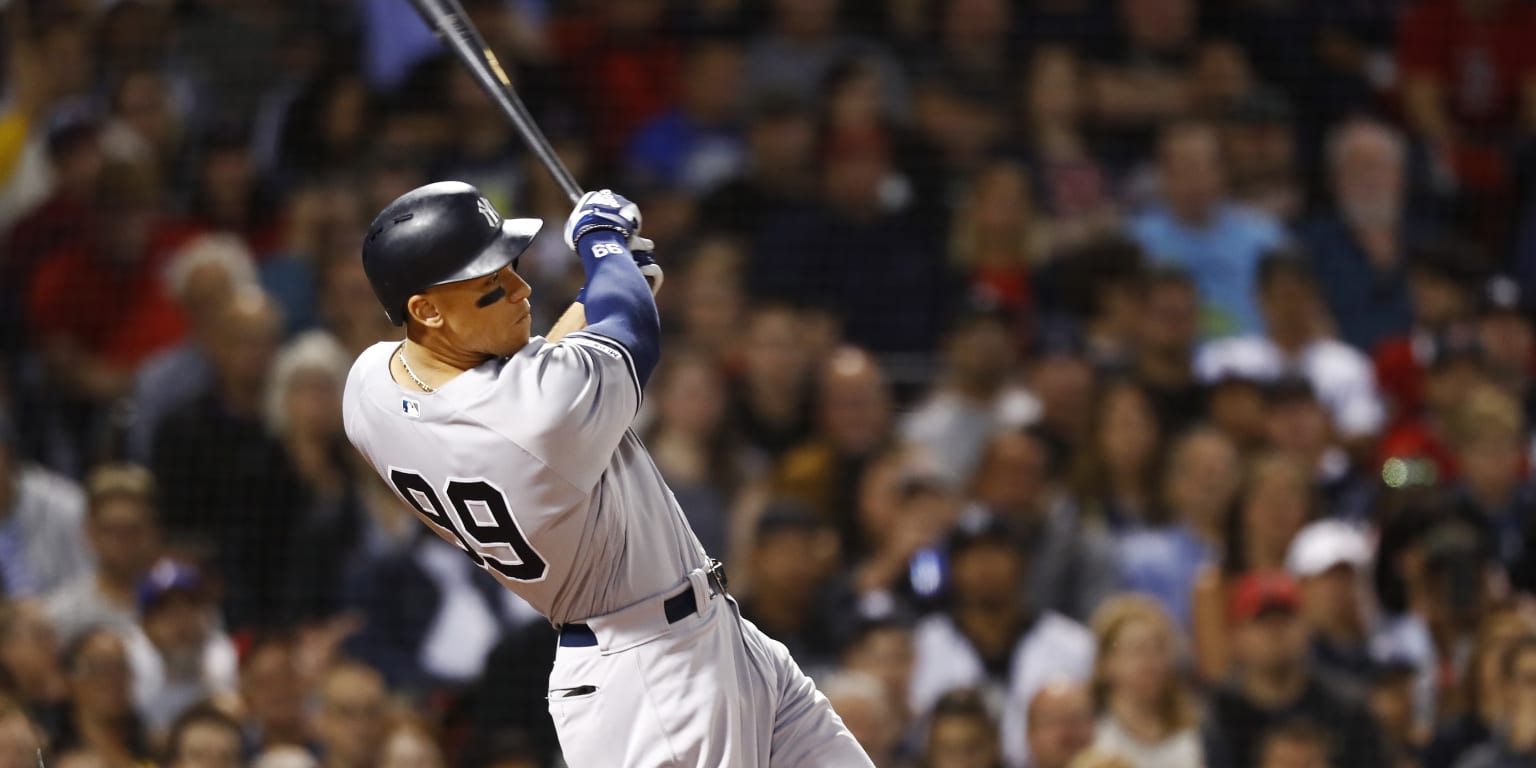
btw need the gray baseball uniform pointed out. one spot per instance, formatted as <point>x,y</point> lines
<point>529,466</point>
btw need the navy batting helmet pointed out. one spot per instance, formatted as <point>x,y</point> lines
<point>439,233</point>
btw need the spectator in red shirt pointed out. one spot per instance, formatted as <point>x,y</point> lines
<point>1469,79</point>
<point>1440,287</point>
<point>97,306</point>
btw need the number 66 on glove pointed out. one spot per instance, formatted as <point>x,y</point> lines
<point>605,210</point>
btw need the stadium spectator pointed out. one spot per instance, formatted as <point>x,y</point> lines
<point>202,278</point>
<point>695,146</point>
<point>962,733</point>
<point>409,744</point>
<point>203,737</point>
<point>800,47</point>
<point>29,658</point>
<point>1514,742</point>
<point>1115,482</point>
<point>1359,244</point>
<point>1060,726</point>
<point>777,174</point>
<point>21,738</point>
<point>792,557</point>
<point>880,647</point>
<point>1490,443</point>
<point>273,692</point>
<point>1144,71</point>
<point>976,397</point>
<point>1166,337</point>
<point>1197,227</point>
<point>1329,559</point>
<point>1297,744</point>
<point>123,529</point>
<point>772,402</point>
<point>1073,187</point>
<point>854,421</point>
<point>861,702</point>
<point>1276,684</point>
<point>1276,501</point>
<point>691,444</point>
<point>1146,716</point>
<point>99,717</point>
<point>1296,341</point>
<point>1482,698</point>
<point>1258,137</point>
<point>214,453</point>
<point>1506,335</point>
<point>1103,289</point>
<point>1073,558</point>
<point>41,516</point>
<point>178,654</point>
<point>991,637</point>
<point>1441,284</point>
<point>1200,482</point>
<point>996,241</point>
<point>351,720</point>
<point>1299,426</point>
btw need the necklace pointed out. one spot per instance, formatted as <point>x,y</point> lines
<point>401,354</point>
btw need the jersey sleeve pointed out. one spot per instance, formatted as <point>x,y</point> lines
<point>572,403</point>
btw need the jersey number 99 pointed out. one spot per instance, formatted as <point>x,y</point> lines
<point>474,536</point>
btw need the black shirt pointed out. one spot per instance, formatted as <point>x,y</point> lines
<point>1238,727</point>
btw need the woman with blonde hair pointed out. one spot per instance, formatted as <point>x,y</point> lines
<point>1146,715</point>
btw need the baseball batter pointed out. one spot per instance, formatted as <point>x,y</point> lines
<point>517,449</point>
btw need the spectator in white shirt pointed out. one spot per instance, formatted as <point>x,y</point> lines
<point>1297,342</point>
<point>40,520</point>
<point>991,638</point>
<point>179,654</point>
<point>1147,716</point>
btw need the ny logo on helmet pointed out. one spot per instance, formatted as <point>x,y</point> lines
<point>491,217</point>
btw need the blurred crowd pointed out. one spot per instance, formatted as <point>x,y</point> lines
<point>1068,383</point>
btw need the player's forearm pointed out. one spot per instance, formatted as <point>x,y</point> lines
<point>617,300</point>
<point>574,319</point>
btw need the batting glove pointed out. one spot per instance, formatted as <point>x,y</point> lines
<point>602,210</point>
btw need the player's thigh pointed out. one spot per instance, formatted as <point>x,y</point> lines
<point>806,731</point>
<point>599,712</point>
<point>710,701</point>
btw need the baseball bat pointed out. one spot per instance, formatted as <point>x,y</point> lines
<point>447,19</point>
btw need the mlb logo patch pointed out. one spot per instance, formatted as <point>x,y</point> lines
<point>411,408</point>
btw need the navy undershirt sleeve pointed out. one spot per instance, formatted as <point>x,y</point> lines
<point>618,301</point>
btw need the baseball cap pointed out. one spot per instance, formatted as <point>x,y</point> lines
<point>166,578</point>
<point>1325,544</point>
<point>1258,593</point>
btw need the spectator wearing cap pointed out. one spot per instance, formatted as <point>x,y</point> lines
<point>1275,682</point>
<point>962,733</point>
<point>1073,565</point>
<point>1359,244</point>
<point>1514,742</point>
<point>1330,560</point>
<point>991,636</point>
<point>179,654</point>
<point>1198,227</point>
<point>41,516</point>
<point>976,397</point>
<point>123,529</point>
<point>1146,715</point>
<point>792,557</point>
<point>1296,342</point>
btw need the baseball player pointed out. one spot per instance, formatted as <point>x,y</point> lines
<point>517,449</point>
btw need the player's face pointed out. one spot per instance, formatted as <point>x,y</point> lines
<point>488,315</point>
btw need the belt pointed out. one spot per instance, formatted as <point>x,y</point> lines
<point>676,608</point>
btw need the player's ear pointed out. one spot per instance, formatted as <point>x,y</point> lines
<point>424,311</point>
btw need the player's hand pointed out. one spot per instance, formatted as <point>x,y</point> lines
<point>603,210</point>
<point>645,258</point>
